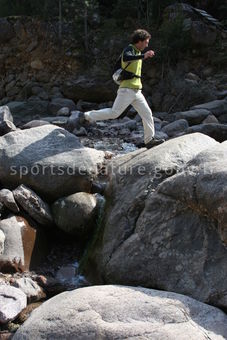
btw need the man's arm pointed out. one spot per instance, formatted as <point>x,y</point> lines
<point>129,54</point>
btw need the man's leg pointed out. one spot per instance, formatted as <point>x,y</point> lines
<point>143,109</point>
<point>123,100</point>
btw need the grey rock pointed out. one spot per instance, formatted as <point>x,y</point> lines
<point>192,76</point>
<point>33,205</point>
<point>91,90</point>
<point>5,114</point>
<point>25,246</point>
<point>161,135</point>
<point>43,95</point>
<point>2,241</point>
<point>119,312</point>
<point>49,160</point>
<point>7,198</point>
<point>6,31</point>
<point>175,128</point>
<point>59,103</point>
<point>80,132</point>
<point>25,111</point>
<point>34,123</point>
<point>37,64</point>
<point>222,94</point>
<point>32,46</point>
<point>161,115</point>
<point>13,92</point>
<point>217,107</point>
<point>87,106</point>
<point>76,213</point>
<point>6,126</point>
<point>2,208</point>
<point>10,85</point>
<point>12,301</point>
<point>36,90</point>
<point>64,111</point>
<point>223,118</point>
<point>60,121</point>
<point>210,120</point>
<point>216,131</point>
<point>131,124</point>
<point>202,34</point>
<point>30,288</point>
<point>74,121</point>
<point>148,233</point>
<point>193,117</point>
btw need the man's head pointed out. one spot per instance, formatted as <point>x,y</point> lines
<point>140,38</point>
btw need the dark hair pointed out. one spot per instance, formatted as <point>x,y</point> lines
<point>139,35</point>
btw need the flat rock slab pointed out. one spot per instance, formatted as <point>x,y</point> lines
<point>119,312</point>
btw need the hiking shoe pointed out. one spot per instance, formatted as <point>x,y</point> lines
<point>154,142</point>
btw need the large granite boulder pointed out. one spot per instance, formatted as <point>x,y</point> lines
<point>118,312</point>
<point>25,245</point>
<point>154,238</point>
<point>49,160</point>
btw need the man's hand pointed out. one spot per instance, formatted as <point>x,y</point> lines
<point>149,54</point>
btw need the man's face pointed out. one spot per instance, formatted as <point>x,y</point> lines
<point>142,44</point>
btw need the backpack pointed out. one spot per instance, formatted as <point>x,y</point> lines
<point>120,73</point>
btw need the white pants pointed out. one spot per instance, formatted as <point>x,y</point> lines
<point>126,97</point>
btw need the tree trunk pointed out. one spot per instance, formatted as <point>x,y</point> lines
<point>85,27</point>
<point>60,21</point>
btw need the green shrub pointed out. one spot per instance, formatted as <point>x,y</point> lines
<point>172,41</point>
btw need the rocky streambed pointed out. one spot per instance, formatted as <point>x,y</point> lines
<point>88,206</point>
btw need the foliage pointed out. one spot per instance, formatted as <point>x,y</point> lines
<point>172,41</point>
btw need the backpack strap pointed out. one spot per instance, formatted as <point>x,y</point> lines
<point>124,68</point>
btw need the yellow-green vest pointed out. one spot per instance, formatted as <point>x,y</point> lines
<point>135,67</point>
